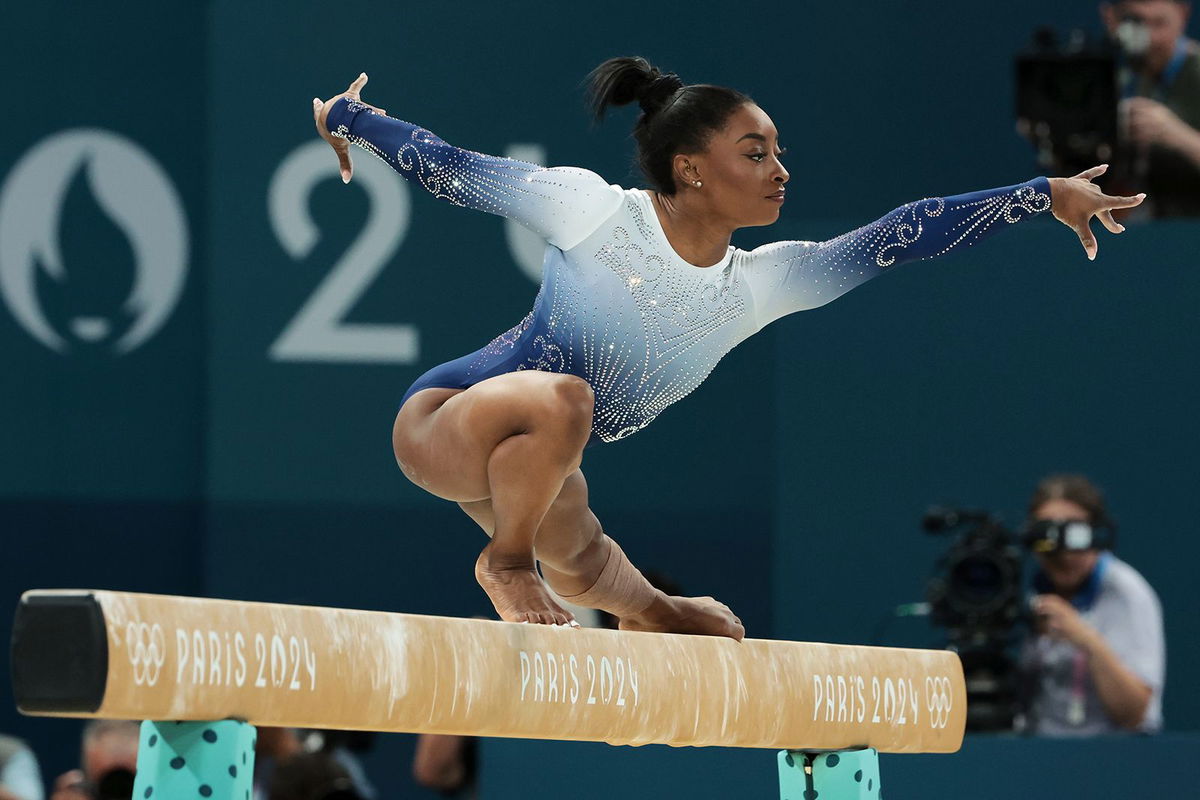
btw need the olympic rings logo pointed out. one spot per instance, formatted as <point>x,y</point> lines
<point>147,650</point>
<point>939,699</point>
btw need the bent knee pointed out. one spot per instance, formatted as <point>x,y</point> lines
<point>573,401</point>
<point>574,392</point>
<point>525,402</point>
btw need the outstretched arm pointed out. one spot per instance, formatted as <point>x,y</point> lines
<point>793,276</point>
<point>562,204</point>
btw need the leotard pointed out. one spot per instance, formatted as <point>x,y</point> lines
<point>617,306</point>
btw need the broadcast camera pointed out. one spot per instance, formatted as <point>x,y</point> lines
<point>978,596</point>
<point>1068,90</point>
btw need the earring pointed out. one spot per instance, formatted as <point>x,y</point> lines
<point>698,183</point>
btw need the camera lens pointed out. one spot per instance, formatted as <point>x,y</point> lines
<point>115,784</point>
<point>976,580</point>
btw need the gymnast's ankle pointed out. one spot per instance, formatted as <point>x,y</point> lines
<point>500,559</point>
<point>659,615</point>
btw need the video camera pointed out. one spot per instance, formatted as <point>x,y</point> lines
<point>1067,95</point>
<point>978,596</point>
<point>1068,89</point>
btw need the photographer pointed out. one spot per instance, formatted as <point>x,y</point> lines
<point>1096,660</point>
<point>1160,109</point>
<point>107,766</point>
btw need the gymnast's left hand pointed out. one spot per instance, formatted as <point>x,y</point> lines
<point>1076,200</point>
<point>341,146</point>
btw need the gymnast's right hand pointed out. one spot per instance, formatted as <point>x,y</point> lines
<point>341,146</point>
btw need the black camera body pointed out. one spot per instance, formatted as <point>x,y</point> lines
<point>1067,93</point>
<point>978,596</point>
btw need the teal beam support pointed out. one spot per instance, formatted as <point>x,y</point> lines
<point>844,775</point>
<point>203,760</point>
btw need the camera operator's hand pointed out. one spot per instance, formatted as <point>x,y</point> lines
<point>1150,122</point>
<point>72,786</point>
<point>340,146</point>
<point>1057,618</point>
<point>1076,200</point>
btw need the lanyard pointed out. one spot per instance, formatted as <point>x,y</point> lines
<point>1076,708</point>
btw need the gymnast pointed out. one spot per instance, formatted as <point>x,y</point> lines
<point>641,296</point>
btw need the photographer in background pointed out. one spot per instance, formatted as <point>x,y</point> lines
<point>1159,81</point>
<point>109,760</point>
<point>1096,660</point>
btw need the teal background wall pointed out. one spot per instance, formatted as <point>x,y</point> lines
<point>220,457</point>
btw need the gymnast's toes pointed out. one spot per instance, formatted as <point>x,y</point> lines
<point>703,616</point>
<point>540,618</point>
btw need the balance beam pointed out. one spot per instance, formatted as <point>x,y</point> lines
<point>82,653</point>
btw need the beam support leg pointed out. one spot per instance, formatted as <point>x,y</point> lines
<point>844,775</point>
<point>213,760</point>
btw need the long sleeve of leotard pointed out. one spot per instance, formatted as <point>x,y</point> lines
<point>793,276</point>
<point>564,205</point>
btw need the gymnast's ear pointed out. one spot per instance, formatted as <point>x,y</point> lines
<point>686,170</point>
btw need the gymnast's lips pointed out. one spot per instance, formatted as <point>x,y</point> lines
<point>777,196</point>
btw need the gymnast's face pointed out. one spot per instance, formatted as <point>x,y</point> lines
<point>741,174</point>
<point>1066,569</point>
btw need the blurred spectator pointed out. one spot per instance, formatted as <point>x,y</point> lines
<point>344,747</point>
<point>1096,661</point>
<point>447,764</point>
<point>273,746</point>
<point>107,765</point>
<point>20,778</point>
<point>311,776</point>
<point>1160,110</point>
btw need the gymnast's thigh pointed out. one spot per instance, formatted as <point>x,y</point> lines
<point>443,437</point>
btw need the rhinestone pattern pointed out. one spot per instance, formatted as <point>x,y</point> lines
<point>794,276</point>
<point>548,200</point>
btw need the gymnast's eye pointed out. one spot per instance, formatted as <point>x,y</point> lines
<point>759,157</point>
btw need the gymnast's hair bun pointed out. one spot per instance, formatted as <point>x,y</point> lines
<point>675,118</point>
<point>620,81</point>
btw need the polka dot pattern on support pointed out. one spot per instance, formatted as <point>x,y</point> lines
<point>195,760</point>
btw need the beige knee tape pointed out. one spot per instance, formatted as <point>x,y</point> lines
<point>620,589</point>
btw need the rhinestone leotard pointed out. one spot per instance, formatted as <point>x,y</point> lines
<point>617,306</point>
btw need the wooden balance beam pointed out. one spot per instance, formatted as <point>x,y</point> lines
<point>118,655</point>
<point>80,653</point>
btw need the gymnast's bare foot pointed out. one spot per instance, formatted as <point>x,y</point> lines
<point>700,615</point>
<point>517,591</point>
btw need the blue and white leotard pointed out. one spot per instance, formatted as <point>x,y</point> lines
<point>617,306</point>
